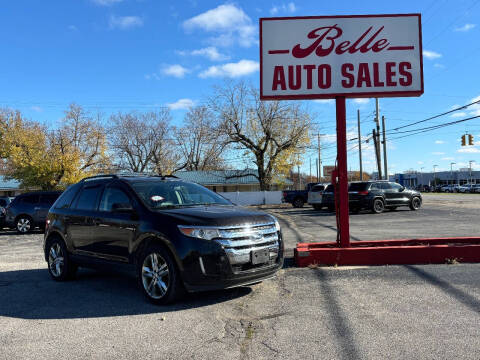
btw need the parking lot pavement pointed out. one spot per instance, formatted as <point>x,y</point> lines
<point>441,215</point>
<point>421,312</point>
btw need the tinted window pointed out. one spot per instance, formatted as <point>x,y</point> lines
<point>358,187</point>
<point>66,198</point>
<point>113,196</point>
<point>318,188</point>
<point>329,188</point>
<point>384,186</point>
<point>88,198</point>
<point>396,187</point>
<point>30,199</point>
<point>49,198</point>
<point>3,202</point>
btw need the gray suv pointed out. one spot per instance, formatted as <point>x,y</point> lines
<point>30,210</point>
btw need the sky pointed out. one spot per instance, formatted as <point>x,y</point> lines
<point>122,55</point>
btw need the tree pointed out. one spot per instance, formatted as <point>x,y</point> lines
<point>200,140</point>
<point>143,142</point>
<point>271,131</point>
<point>47,159</point>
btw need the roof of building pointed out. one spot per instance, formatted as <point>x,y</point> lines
<point>224,177</point>
<point>8,184</point>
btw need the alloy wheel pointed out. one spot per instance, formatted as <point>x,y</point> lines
<point>378,206</point>
<point>416,203</point>
<point>155,276</point>
<point>56,260</point>
<point>24,225</point>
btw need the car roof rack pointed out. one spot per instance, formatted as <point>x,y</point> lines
<point>117,176</point>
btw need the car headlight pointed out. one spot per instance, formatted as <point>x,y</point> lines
<point>199,232</point>
<point>277,224</point>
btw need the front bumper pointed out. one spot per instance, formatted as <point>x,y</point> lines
<point>216,264</point>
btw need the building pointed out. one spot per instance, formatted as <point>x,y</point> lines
<point>9,187</point>
<point>231,180</point>
<point>414,178</point>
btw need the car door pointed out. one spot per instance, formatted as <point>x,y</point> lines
<point>116,224</point>
<point>399,194</point>
<point>81,218</point>
<point>41,209</point>
<point>388,193</point>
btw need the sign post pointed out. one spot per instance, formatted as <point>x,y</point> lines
<point>335,57</point>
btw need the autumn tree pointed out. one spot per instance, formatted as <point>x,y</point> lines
<point>48,159</point>
<point>144,142</point>
<point>272,132</point>
<point>200,140</point>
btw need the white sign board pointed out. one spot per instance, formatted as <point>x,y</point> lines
<point>352,56</point>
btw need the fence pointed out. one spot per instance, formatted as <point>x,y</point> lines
<point>253,197</point>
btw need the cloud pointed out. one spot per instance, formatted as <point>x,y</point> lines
<point>36,108</point>
<point>431,54</point>
<point>175,70</point>
<point>231,70</point>
<point>438,153</point>
<point>469,150</point>
<point>106,2</point>
<point>439,142</point>
<point>420,162</point>
<point>124,22</point>
<point>465,28</point>
<point>229,22</point>
<point>285,8</point>
<point>439,66</point>
<point>361,101</point>
<point>210,53</point>
<point>181,104</point>
<point>448,158</point>
<point>458,114</point>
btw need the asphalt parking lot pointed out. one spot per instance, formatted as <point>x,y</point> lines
<point>419,312</point>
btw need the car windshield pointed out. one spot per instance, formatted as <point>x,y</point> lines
<point>158,194</point>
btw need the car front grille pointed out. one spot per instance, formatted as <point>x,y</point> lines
<point>238,242</point>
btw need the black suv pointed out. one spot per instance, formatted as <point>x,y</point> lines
<point>175,234</point>
<point>29,210</point>
<point>375,196</point>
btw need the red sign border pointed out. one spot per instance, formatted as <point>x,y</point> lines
<point>346,94</point>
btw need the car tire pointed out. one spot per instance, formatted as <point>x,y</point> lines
<point>24,224</point>
<point>158,276</point>
<point>415,203</point>
<point>378,206</point>
<point>60,266</point>
<point>298,203</point>
<point>317,207</point>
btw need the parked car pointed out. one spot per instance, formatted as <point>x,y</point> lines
<point>466,188</point>
<point>450,188</point>
<point>4,201</point>
<point>297,198</point>
<point>175,235</point>
<point>376,196</point>
<point>475,188</point>
<point>28,211</point>
<point>315,196</point>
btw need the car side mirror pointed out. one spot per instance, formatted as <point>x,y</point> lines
<point>122,207</point>
<point>402,188</point>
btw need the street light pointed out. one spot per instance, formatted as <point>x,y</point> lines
<point>451,170</point>
<point>434,178</point>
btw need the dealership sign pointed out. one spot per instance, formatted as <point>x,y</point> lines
<point>351,56</point>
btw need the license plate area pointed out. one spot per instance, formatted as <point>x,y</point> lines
<point>261,256</point>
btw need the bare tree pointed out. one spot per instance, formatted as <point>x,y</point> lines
<point>271,131</point>
<point>200,140</point>
<point>143,142</point>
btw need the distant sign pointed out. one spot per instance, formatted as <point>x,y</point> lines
<point>327,170</point>
<point>327,56</point>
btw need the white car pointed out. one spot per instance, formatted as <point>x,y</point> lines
<point>315,196</point>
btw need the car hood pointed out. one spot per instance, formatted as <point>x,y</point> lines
<point>214,215</point>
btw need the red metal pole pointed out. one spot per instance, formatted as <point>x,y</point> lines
<point>342,172</point>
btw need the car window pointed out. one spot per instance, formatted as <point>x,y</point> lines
<point>64,201</point>
<point>3,202</point>
<point>384,186</point>
<point>329,188</point>
<point>318,188</point>
<point>111,196</point>
<point>87,200</point>
<point>48,198</point>
<point>358,187</point>
<point>375,186</point>
<point>396,187</point>
<point>30,199</point>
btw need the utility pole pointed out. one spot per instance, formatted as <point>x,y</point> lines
<point>377,138</point>
<point>310,169</point>
<point>451,172</point>
<point>470,162</point>
<point>385,167</point>
<point>377,154</point>
<point>318,174</point>
<point>359,145</point>
<point>319,159</point>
